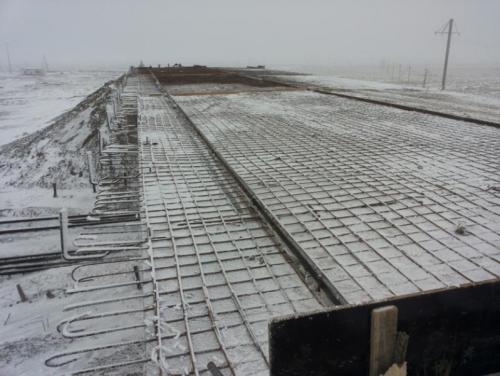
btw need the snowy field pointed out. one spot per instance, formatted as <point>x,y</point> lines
<point>28,168</point>
<point>474,97</point>
<point>29,103</point>
<point>467,79</point>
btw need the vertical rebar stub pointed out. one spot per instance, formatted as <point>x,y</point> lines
<point>63,230</point>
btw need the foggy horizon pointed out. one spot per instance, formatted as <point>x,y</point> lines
<point>117,34</point>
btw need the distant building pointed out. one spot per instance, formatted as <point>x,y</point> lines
<point>34,72</point>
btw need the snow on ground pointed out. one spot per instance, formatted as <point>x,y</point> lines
<point>28,330</point>
<point>35,319</point>
<point>482,80</point>
<point>28,166</point>
<point>351,84</point>
<point>467,104</point>
<point>40,201</point>
<point>29,103</point>
<point>342,83</point>
<point>33,243</point>
<point>55,154</point>
<point>37,202</point>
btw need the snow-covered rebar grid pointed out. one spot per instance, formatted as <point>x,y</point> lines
<point>385,202</point>
<point>106,323</point>
<point>485,108</point>
<point>118,183</point>
<point>219,273</point>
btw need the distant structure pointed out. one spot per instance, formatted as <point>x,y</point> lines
<point>45,65</point>
<point>33,71</point>
<point>256,67</point>
<point>8,56</point>
<point>37,71</point>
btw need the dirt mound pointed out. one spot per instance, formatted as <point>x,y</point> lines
<point>57,153</point>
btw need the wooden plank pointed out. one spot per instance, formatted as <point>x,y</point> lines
<point>384,328</point>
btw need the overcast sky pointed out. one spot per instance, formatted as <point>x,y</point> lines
<point>89,33</point>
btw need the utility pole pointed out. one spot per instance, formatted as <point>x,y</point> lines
<point>425,77</point>
<point>449,26</point>
<point>45,64</point>
<point>8,56</point>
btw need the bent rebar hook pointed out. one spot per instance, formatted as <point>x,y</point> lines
<point>52,361</point>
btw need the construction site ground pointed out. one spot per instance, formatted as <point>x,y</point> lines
<point>257,199</point>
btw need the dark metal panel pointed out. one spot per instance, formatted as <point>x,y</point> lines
<point>452,332</point>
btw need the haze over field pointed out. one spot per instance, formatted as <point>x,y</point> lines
<point>97,33</point>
